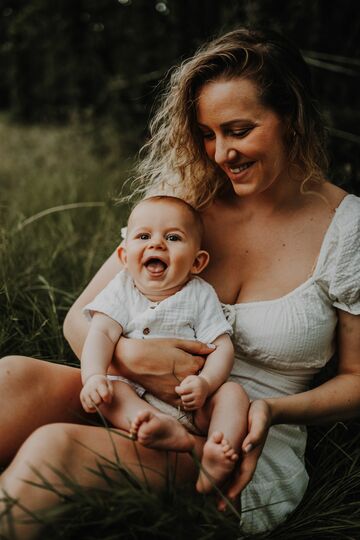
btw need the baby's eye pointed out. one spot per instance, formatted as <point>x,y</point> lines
<point>144,236</point>
<point>173,237</point>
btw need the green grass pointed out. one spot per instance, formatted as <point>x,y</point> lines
<point>45,261</point>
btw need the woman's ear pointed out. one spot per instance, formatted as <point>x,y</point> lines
<point>201,261</point>
<point>121,251</point>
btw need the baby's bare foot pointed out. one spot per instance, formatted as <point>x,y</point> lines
<point>160,431</point>
<point>217,463</point>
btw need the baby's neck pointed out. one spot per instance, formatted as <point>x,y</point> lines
<point>159,295</point>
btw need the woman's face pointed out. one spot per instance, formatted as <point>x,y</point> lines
<point>244,138</point>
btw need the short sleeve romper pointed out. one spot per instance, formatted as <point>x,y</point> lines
<point>279,345</point>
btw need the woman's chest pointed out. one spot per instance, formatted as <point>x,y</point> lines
<point>260,259</point>
<point>293,332</point>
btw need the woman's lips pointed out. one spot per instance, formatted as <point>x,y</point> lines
<point>241,168</point>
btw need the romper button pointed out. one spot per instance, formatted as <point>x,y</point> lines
<point>146,331</point>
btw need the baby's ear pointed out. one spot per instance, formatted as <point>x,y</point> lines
<point>201,261</point>
<point>121,251</point>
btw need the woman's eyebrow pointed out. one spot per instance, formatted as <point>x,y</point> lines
<point>236,121</point>
<point>202,126</point>
<point>229,123</point>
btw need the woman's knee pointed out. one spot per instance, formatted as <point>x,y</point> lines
<point>16,367</point>
<point>51,443</point>
<point>12,363</point>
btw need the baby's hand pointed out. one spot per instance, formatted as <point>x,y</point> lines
<point>97,389</point>
<point>193,391</point>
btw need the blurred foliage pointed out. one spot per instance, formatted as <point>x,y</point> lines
<point>105,58</point>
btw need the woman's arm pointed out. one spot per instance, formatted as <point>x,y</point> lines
<point>76,326</point>
<point>335,400</point>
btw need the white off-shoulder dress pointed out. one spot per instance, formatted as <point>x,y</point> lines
<point>279,346</point>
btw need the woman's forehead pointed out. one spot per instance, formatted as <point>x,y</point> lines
<point>228,100</point>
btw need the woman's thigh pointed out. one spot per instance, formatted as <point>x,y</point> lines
<point>82,452</point>
<point>34,393</point>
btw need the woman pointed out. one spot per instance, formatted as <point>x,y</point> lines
<point>237,135</point>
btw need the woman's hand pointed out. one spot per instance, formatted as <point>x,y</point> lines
<point>259,422</point>
<point>159,364</point>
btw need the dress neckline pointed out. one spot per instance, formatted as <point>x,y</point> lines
<point>311,279</point>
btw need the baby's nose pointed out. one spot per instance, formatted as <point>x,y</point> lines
<point>157,241</point>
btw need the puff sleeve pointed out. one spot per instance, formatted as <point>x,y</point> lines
<point>342,264</point>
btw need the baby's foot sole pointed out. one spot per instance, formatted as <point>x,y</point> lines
<point>160,431</point>
<point>217,463</point>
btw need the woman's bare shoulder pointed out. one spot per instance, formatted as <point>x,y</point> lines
<point>333,194</point>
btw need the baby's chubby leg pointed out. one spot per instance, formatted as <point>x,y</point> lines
<point>225,416</point>
<point>123,407</point>
<point>146,424</point>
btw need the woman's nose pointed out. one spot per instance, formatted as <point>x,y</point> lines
<point>224,153</point>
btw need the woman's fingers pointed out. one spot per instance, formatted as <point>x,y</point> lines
<point>195,347</point>
<point>259,424</point>
<point>244,473</point>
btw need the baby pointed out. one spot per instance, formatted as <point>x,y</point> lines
<point>158,295</point>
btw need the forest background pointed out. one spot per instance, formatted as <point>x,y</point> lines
<point>79,79</point>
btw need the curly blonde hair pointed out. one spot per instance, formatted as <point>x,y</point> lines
<point>173,161</point>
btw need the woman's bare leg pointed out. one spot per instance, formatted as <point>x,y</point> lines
<point>58,444</point>
<point>34,393</point>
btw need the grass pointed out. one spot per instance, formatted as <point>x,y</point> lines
<point>47,255</point>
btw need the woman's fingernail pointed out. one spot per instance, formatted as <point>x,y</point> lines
<point>211,345</point>
<point>248,448</point>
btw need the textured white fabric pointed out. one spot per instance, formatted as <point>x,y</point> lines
<point>279,345</point>
<point>192,313</point>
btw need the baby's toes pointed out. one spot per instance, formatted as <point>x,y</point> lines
<point>229,452</point>
<point>232,455</point>
<point>225,446</point>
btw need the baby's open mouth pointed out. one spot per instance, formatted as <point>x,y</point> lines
<point>155,265</point>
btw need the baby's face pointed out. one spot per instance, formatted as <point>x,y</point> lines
<point>161,247</point>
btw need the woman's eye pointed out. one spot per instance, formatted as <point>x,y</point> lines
<point>173,237</point>
<point>208,135</point>
<point>240,132</point>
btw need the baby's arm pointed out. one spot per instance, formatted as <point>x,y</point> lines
<point>195,389</point>
<point>96,356</point>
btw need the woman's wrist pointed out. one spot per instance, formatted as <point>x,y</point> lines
<point>282,410</point>
<point>272,408</point>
